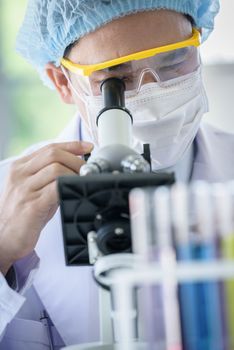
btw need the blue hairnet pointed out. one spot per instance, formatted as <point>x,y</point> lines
<point>50,26</point>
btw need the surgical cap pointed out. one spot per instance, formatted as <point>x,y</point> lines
<point>50,26</point>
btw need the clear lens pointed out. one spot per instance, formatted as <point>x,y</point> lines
<point>177,63</point>
<point>159,68</point>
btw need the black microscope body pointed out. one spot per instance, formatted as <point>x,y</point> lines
<point>94,206</point>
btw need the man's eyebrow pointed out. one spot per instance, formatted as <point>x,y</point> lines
<point>119,66</point>
<point>112,70</point>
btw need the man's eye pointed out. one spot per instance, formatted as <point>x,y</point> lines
<point>127,79</point>
<point>171,67</point>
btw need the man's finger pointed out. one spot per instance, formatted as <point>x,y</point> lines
<point>78,148</point>
<point>47,175</point>
<point>68,160</point>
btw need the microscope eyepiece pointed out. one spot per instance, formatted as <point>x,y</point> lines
<point>113,90</point>
<point>114,121</point>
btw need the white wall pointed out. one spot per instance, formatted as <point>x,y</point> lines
<point>219,48</point>
<point>218,57</point>
<point>219,82</point>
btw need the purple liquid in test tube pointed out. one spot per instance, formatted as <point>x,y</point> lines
<point>151,315</point>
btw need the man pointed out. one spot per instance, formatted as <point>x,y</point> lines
<point>166,96</point>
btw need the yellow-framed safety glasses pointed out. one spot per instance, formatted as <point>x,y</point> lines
<point>87,70</point>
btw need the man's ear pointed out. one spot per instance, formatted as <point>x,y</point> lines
<point>60,82</point>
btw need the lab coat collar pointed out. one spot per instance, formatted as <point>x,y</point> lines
<point>211,149</point>
<point>214,156</point>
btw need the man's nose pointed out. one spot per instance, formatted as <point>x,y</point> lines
<point>148,75</point>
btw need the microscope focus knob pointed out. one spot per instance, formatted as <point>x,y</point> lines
<point>135,164</point>
<point>96,166</point>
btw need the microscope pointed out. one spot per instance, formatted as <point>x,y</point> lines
<point>95,205</point>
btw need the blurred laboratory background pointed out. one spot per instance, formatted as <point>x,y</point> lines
<point>30,112</point>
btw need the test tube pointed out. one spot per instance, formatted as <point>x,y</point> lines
<point>167,259</point>
<point>140,211</point>
<point>184,249</point>
<point>208,293</point>
<point>222,194</point>
<point>143,238</point>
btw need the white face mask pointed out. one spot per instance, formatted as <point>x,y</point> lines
<point>167,117</point>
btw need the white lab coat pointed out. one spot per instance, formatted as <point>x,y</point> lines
<point>68,293</point>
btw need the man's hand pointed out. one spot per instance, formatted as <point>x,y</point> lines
<point>30,198</point>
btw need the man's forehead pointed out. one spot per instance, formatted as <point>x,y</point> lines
<point>131,34</point>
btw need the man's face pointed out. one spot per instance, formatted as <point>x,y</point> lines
<point>127,35</point>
